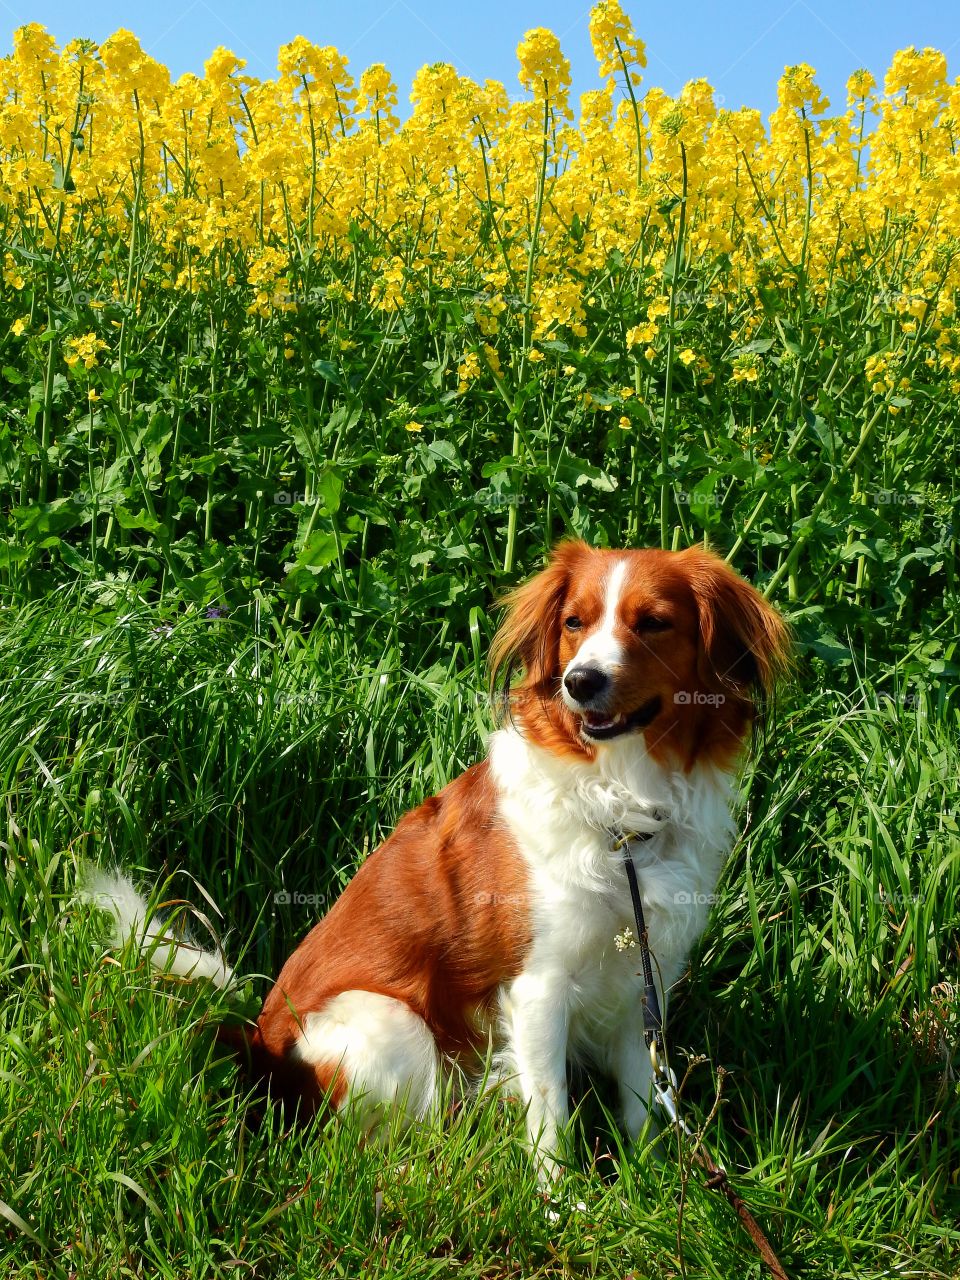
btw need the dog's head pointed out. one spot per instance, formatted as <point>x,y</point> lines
<point>673,645</point>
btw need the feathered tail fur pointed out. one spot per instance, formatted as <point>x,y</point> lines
<point>169,952</point>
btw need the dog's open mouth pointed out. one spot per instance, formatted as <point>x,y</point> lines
<point>600,726</point>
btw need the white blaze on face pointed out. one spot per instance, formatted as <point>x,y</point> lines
<point>602,649</point>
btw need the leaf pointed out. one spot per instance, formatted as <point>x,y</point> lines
<point>855,550</point>
<point>704,505</point>
<point>330,489</point>
<point>319,550</point>
<point>759,346</point>
<point>497,468</point>
<point>70,557</point>
<point>15,1220</point>
<point>44,518</point>
<point>125,1180</point>
<point>825,433</point>
<point>328,371</point>
<point>576,472</point>
<point>446,452</point>
<point>343,419</point>
<point>206,465</point>
<point>137,520</point>
<point>11,555</point>
<point>153,439</point>
<point>832,650</point>
<point>816,638</point>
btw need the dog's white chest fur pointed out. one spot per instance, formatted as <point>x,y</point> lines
<point>578,995</point>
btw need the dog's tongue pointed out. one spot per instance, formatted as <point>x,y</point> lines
<point>598,720</point>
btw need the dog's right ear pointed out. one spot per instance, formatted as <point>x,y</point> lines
<point>529,636</point>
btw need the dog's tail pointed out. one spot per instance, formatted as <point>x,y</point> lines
<point>168,951</point>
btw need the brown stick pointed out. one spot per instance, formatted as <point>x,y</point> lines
<point>717,1181</point>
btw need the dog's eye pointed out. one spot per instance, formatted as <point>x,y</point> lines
<point>572,623</point>
<point>647,624</point>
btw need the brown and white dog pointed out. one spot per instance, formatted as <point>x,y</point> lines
<point>490,914</point>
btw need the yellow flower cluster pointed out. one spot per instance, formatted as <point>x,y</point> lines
<point>544,70</point>
<point>84,350</point>
<point>615,46</point>
<point>307,187</point>
<point>746,368</point>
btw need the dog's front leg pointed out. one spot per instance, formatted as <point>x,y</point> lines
<point>538,1023</point>
<point>634,1072</point>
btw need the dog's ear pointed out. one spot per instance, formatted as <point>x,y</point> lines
<point>529,636</point>
<point>744,643</point>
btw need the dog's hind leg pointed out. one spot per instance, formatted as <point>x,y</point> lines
<point>383,1051</point>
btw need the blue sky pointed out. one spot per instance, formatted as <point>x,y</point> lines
<point>741,46</point>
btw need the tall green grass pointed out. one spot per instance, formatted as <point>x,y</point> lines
<point>244,760</point>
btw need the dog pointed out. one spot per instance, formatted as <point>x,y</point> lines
<point>498,912</point>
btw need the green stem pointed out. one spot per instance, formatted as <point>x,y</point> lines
<point>665,437</point>
<point>510,550</point>
<point>635,108</point>
<point>790,562</point>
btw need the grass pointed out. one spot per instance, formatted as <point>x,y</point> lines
<point>242,759</point>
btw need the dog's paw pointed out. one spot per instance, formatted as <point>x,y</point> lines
<point>555,1209</point>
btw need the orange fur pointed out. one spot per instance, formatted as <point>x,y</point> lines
<point>435,918</point>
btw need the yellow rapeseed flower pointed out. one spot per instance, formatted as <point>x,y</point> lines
<point>746,368</point>
<point>641,333</point>
<point>543,68</point>
<point>303,194</point>
<point>615,46</point>
<point>84,349</point>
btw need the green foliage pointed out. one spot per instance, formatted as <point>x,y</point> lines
<point>328,458</point>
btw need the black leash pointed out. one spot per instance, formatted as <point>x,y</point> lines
<point>652,1016</point>
<point>664,1080</point>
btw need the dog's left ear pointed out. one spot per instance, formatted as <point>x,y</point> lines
<point>529,635</point>
<point>744,643</point>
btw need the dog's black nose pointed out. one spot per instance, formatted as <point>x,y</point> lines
<point>584,683</point>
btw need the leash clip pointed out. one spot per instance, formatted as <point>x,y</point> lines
<point>655,1057</point>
